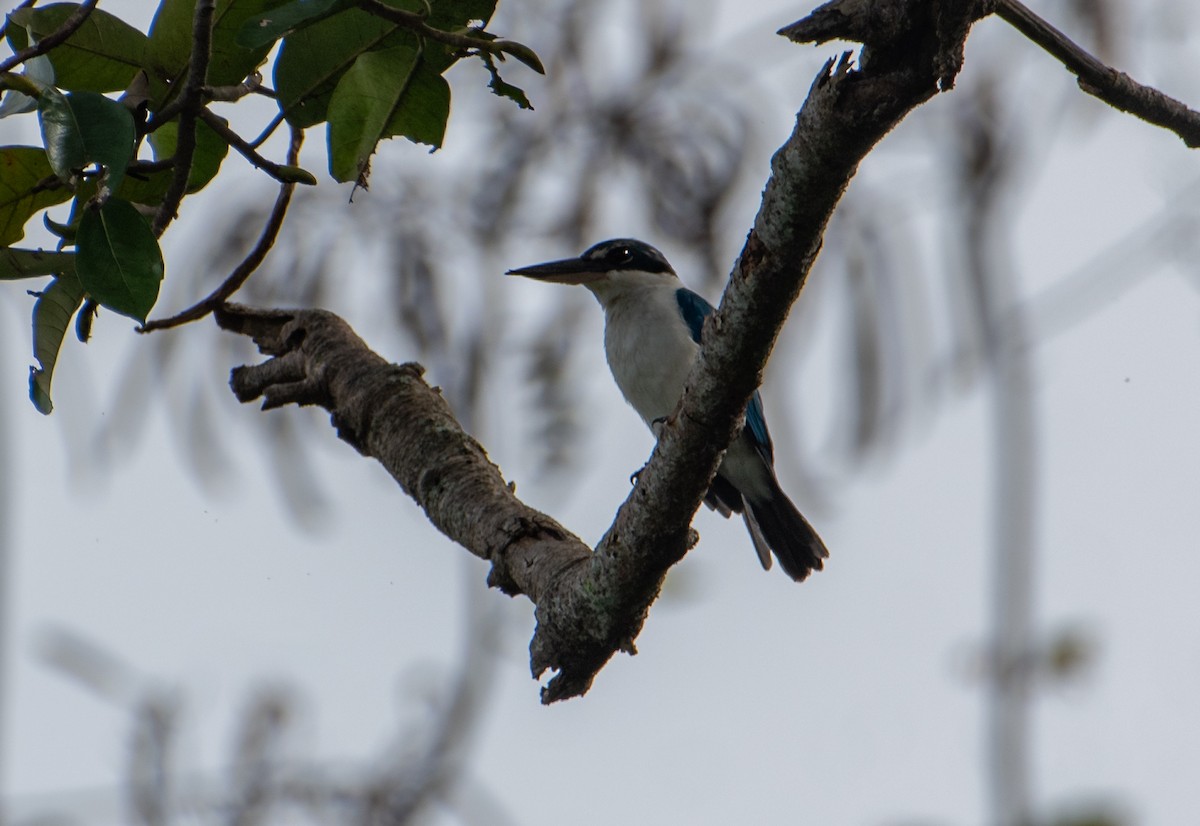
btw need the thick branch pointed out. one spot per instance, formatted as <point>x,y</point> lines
<point>388,412</point>
<point>1114,88</point>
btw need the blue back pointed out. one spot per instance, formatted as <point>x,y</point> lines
<point>694,310</point>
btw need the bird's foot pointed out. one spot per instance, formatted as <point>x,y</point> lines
<point>658,424</point>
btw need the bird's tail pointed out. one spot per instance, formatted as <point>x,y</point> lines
<point>777,525</point>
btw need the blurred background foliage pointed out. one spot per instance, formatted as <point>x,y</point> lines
<point>651,123</point>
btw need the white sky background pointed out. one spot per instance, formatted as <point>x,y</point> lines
<point>847,700</point>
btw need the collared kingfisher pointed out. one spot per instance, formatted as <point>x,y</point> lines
<point>652,326</point>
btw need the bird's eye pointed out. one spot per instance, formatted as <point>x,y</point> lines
<point>626,255</point>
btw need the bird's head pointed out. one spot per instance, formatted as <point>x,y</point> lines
<point>621,260</point>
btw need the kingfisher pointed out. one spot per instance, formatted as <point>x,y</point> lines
<point>652,326</point>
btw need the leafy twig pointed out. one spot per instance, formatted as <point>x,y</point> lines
<point>185,147</point>
<point>250,263</point>
<point>68,28</point>
<point>219,93</point>
<point>1104,82</point>
<point>284,174</point>
<point>415,21</point>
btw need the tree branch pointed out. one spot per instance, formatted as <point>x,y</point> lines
<point>1104,82</point>
<point>249,264</point>
<point>192,100</point>
<point>388,412</point>
<point>284,174</point>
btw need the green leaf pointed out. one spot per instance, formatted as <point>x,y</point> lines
<point>118,259</point>
<point>384,94</point>
<point>149,188</point>
<point>522,53</point>
<point>15,263</point>
<point>51,314</point>
<point>101,56</point>
<point>170,45</point>
<point>313,60</point>
<point>274,24</point>
<point>296,175</point>
<point>84,127</point>
<point>211,150</point>
<point>23,169</point>
<point>315,57</point>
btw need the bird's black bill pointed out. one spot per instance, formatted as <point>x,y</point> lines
<point>566,271</point>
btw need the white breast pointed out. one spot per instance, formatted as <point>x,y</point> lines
<point>648,346</point>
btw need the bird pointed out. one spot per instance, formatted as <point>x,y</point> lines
<point>652,328</point>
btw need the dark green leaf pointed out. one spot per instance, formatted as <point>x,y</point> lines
<point>314,59</point>
<point>51,314</point>
<point>16,263</point>
<point>61,134</point>
<point>211,150</point>
<point>101,56</point>
<point>384,94</point>
<point>27,186</point>
<point>118,259</point>
<point>274,24</point>
<point>170,45</point>
<point>84,127</point>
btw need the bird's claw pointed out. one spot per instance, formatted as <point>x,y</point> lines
<point>656,425</point>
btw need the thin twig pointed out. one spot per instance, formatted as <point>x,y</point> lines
<point>148,167</point>
<point>1104,82</point>
<point>68,28</point>
<point>237,91</point>
<point>266,133</point>
<point>239,143</point>
<point>415,21</point>
<point>185,146</point>
<point>250,263</point>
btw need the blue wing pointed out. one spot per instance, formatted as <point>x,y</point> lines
<point>694,310</point>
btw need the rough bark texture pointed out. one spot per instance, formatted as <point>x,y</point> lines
<point>389,413</point>
<point>591,605</point>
